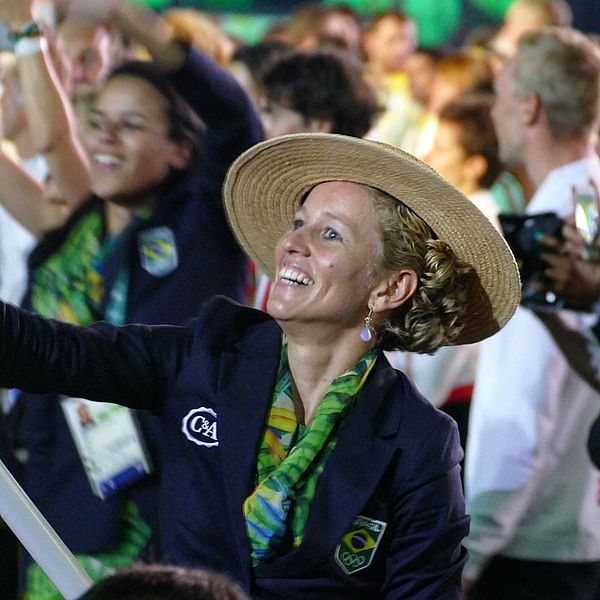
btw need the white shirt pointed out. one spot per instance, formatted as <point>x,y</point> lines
<point>530,486</point>
<point>484,201</point>
<point>435,376</point>
<point>16,242</point>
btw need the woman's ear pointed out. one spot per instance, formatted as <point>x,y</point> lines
<point>394,291</point>
<point>530,108</point>
<point>181,154</point>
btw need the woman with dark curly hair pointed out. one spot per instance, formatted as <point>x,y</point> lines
<point>296,459</point>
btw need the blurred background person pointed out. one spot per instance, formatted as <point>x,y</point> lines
<point>465,153</point>
<point>513,189</point>
<point>148,244</point>
<point>530,485</point>
<point>465,150</point>
<point>521,17</point>
<point>316,91</point>
<point>389,39</point>
<point>249,63</point>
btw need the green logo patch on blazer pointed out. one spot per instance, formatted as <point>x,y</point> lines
<point>357,548</point>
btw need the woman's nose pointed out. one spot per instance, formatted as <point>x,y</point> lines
<point>109,132</point>
<point>296,241</point>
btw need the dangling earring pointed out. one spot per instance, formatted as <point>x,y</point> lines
<point>366,333</point>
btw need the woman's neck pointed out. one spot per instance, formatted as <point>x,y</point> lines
<point>117,218</point>
<point>315,362</point>
<point>118,214</point>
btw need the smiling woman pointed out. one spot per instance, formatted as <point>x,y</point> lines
<point>141,135</point>
<point>298,461</point>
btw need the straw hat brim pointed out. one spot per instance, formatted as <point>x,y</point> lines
<point>265,186</point>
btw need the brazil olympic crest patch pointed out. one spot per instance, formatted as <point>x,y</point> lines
<point>357,548</point>
<point>158,251</point>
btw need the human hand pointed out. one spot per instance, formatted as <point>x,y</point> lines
<point>95,11</point>
<point>15,13</point>
<point>573,277</point>
<point>467,586</point>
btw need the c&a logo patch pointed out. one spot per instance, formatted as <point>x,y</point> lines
<point>200,426</point>
<point>357,548</point>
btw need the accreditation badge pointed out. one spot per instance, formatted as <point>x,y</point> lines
<point>109,443</point>
<point>357,548</point>
<point>158,251</point>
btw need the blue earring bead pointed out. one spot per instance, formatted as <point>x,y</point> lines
<point>365,334</point>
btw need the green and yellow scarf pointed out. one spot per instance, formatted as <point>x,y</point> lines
<point>291,458</point>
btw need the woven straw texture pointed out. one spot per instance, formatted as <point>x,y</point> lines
<point>266,185</point>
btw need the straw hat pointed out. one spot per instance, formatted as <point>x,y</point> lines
<point>266,184</point>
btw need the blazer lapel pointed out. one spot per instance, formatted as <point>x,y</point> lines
<point>364,449</point>
<point>246,383</point>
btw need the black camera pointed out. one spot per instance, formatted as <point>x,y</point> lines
<point>523,234</point>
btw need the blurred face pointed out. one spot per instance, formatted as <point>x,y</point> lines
<point>326,261</point>
<point>278,119</point>
<point>127,141</point>
<point>505,115</point>
<point>449,159</point>
<point>444,90</point>
<point>390,43</point>
<point>420,69</point>
<point>342,27</point>
<point>89,56</point>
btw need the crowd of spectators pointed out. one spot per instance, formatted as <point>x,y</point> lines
<point>118,128</point>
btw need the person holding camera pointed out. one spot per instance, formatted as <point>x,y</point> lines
<point>530,485</point>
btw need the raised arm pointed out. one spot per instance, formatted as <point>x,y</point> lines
<point>230,116</point>
<point>50,117</point>
<point>139,363</point>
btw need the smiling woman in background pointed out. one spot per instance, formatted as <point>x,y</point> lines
<point>148,245</point>
<point>296,459</point>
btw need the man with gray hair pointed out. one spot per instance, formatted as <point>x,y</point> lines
<point>531,489</point>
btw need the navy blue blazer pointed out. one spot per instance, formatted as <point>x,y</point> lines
<point>396,461</point>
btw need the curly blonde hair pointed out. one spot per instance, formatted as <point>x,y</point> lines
<point>433,316</point>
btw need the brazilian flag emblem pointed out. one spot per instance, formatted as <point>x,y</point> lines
<point>357,548</point>
<point>158,251</point>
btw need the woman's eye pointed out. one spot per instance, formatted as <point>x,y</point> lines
<point>130,126</point>
<point>297,223</point>
<point>95,124</point>
<point>332,234</point>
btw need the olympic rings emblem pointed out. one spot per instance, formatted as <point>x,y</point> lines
<point>352,560</point>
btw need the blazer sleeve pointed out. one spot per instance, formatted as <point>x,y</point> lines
<point>231,118</point>
<point>102,362</point>
<point>426,553</point>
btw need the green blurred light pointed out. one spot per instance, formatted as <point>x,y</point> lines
<point>494,8</point>
<point>366,7</point>
<point>155,4</point>
<point>225,5</point>
<point>437,20</point>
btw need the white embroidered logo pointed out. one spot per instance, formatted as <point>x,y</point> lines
<point>200,426</point>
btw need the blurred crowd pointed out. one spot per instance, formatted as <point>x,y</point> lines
<point>118,127</point>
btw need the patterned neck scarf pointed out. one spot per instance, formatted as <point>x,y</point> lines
<point>69,285</point>
<point>291,458</point>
